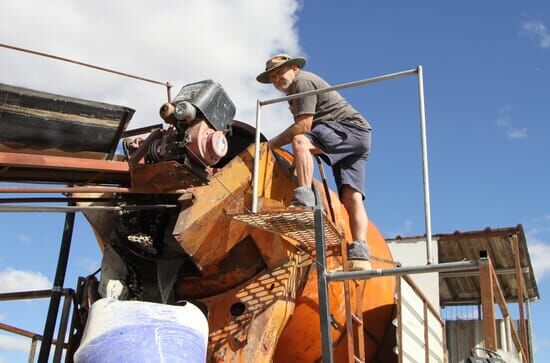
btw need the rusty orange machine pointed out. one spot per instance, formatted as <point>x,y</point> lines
<point>183,231</point>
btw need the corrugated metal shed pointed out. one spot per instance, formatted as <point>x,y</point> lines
<point>462,288</point>
<point>458,288</point>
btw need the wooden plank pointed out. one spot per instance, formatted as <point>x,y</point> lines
<point>487,302</point>
<point>520,289</point>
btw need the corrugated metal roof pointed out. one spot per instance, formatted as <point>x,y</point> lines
<point>462,288</point>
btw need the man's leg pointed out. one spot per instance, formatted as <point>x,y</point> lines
<point>358,220</point>
<point>358,250</point>
<point>302,148</point>
<point>303,196</point>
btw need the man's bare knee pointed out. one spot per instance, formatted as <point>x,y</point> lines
<point>349,195</point>
<point>300,142</point>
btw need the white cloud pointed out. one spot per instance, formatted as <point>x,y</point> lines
<point>504,120</point>
<point>517,133</point>
<point>538,239</point>
<point>14,343</point>
<point>180,42</point>
<point>23,238</point>
<point>18,280</point>
<point>2,317</point>
<point>540,257</point>
<point>536,29</point>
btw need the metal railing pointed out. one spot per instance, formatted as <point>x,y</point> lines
<point>324,278</point>
<point>60,343</point>
<point>423,139</point>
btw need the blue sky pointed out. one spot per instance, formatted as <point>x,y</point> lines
<point>486,68</point>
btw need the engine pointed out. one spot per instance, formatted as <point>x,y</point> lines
<point>200,116</point>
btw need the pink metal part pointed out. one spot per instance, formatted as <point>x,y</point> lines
<point>206,145</point>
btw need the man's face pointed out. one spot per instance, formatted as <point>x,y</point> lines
<point>283,77</point>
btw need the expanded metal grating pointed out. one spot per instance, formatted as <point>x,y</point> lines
<point>295,224</point>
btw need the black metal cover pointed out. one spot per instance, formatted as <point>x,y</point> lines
<point>33,121</point>
<point>211,100</point>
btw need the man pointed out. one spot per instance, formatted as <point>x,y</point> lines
<point>325,124</point>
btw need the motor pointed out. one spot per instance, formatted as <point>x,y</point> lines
<point>200,116</point>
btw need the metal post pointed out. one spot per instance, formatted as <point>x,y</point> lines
<point>468,265</point>
<point>428,217</point>
<point>62,261</point>
<point>33,349</point>
<point>67,300</point>
<point>529,331</point>
<point>324,305</point>
<point>256,159</point>
<point>303,94</point>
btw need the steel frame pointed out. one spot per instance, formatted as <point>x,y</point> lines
<point>59,343</point>
<point>324,277</point>
<point>491,292</point>
<point>423,139</point>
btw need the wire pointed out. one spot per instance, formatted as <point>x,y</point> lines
<point>108,70</point>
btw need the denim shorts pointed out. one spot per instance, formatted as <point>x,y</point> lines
<point>346,148</point>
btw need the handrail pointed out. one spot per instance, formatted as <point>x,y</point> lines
<point>425,174</point>
<point>495,291</point>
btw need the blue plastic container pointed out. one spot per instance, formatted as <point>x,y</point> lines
<point>139,332</point>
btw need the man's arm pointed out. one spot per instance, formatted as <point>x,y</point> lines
<point>302,124</point>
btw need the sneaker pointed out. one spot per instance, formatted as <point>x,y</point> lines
<point>359,256</point>
<point>303,197</point>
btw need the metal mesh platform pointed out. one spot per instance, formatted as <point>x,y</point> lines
<point>296,224</point>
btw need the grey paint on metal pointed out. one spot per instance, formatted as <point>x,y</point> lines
<point>385,77</point>
<point>322,284</point>
<point>256,158</point>
<point>361,275</point>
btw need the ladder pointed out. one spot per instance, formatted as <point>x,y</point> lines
<point>312,230</point>
<point>354,316</point>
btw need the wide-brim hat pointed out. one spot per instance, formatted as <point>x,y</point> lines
<point>277,61</point>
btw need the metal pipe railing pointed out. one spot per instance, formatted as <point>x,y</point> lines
<point>406,270</point>
<point>72,209</point>
<point>423,138</point>
<point>425,174</point>
<point>256,159</point>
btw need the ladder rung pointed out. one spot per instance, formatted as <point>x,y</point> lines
<point>357,319</point>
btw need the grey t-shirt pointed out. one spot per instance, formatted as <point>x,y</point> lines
<point>328,106</point>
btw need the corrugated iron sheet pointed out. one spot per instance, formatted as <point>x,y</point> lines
<point>459,289</point>
<point>420,330</point>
